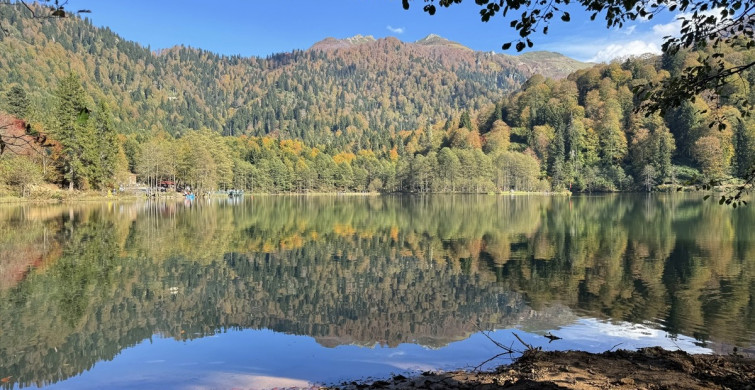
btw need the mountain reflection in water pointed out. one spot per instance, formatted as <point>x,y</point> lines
<point>81,283</point>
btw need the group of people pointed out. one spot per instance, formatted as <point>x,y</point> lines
<point>188,193</point>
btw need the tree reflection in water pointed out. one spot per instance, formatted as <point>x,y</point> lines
<point>78,284</point>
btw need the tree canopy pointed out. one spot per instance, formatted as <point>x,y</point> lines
<point>716,25</point>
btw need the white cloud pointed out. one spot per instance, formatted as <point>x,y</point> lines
<point>629,30</point>
<point>650,41</point>
<point>674,27</point>
<point>395,30</point>
<point>621,50</point>
<point>234,380</point>
<point>645,38</point>
<point>631,336</point>
<point>668,29</point>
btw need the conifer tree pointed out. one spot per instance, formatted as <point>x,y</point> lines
<point>72,130</point>
<point>744,138</point>
<point>16,102</point>
<point>106,139</point>
<point>465,121</point>
<point>556,158</point>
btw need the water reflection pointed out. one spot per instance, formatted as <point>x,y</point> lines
<point>80,283</point>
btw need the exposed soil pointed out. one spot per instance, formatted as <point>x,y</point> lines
<point>648,368</point>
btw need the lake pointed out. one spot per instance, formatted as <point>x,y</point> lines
<point>272,291</point>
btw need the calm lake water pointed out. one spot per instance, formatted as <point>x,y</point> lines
<point>292,291</point>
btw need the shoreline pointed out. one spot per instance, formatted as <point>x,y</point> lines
<point>646,368</point>
<point>64,196</point>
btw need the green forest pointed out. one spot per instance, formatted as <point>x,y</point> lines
<point>82,108</point>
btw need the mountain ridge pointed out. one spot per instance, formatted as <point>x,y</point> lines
<point>332,43</point>
<point>351,93</point>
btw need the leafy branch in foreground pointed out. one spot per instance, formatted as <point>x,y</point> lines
<point>732,196</point>
<point>718,23</point>
<point>725,24</point>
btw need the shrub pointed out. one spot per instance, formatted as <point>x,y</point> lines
<point>20,173</point>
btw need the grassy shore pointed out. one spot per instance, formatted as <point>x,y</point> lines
<point>57,195</point>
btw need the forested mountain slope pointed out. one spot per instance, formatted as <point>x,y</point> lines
<point>587,129</point>
<point>359,88</point>
<point>361,114</point>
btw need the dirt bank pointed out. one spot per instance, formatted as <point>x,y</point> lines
<point>649,368</point>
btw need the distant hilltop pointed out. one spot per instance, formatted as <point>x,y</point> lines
<point>437,40</point>
<point>335,43</point>
<point>549,64</point>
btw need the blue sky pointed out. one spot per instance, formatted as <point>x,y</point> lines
<point>259,28</point>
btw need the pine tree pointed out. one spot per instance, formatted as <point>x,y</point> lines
<point>574,143</point>
<point>665,148</point>
<point>556,158</point>
<point>465,121</point>
<point>72,130</point>
<point>106,138</point>
<point>744,145</point>
<point>16,102</point>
